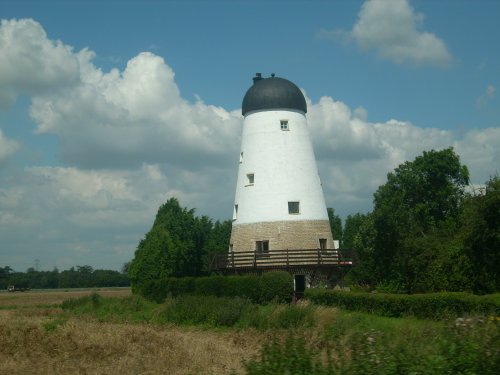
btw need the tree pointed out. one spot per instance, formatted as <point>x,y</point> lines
<point>482,237</point>
<point>335,225</point>
<point>218,242</point>
<point>352,229</point>
<point>420,199</point>
<point>152,257</point>
<point>359,235</point>
<point>179,244</point>
<point>5,273</point>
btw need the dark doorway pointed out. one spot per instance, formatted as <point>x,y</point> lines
<point>299,285</point>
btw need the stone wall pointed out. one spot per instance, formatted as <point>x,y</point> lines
<point>282,235</point>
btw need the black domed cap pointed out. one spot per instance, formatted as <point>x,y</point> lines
<point>273,93</point>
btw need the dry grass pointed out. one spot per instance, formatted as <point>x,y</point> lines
<point>54,297</point>
<point>42,340</point>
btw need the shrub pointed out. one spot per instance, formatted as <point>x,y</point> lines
<point>291,357</point>
<point>425,306</point>
<point>272,286</point>
<point>276,286</point>
<point>206,310</point>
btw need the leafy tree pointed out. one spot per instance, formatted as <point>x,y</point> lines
<point>152,257</point>
<point>179,244</point>
<point>5,273</point>
<point>218,241</point>
<point>420,199</point>
<point>482,237</point>
<point>360,235</point>
<point>352,229</point>
<point>335,225</point>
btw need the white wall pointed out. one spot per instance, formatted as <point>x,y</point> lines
<point>284,167</point>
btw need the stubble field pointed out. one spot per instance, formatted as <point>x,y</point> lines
<point>37,337</point>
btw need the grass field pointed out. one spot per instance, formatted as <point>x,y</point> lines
<point>37,337</point>
<point>113,332</point>
<point>48,297</point>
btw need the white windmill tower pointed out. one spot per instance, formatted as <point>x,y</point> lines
<point>279,201</point>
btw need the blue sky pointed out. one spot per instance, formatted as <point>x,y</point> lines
<point>109,108</point>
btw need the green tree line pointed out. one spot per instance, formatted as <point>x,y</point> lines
<point>81,277</point>
<point>428,232</point>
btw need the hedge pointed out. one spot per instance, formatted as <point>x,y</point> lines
<point>425,306</point>
<point>272,286</point>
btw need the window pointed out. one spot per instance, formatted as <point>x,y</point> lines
<point>322,243</point>
<point>294,207</point>
<point>235,213</point>
<point>241,157</point>
<point>250,178</point>
<point>262,247</point>
<point>284,125</point>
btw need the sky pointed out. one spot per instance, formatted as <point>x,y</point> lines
<point>109,108</point>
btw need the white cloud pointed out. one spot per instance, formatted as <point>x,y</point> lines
<point>393,29</point>
<point>30,62</point>
<point>121,119</point>
<point>355,155</point>
<point>7,147</point>
<point>100,214</point>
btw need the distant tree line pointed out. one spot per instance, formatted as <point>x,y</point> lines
<point>81,277</point>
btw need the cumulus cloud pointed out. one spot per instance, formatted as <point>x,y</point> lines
<point>121,119</point>
<point>354,155</point>
<point>392,28</point>
<point>31,63</point>
<point>7,147</point>
<point>94,217</point>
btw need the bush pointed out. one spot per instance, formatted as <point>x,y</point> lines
<point>291,357</point>
<point>363,344</point>
<point>206,310</point>
<point>272,286</point>
<point>276,286</point>
<point>425,306</point>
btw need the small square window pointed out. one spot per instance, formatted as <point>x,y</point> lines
<point>250,178</point>
<point>284,125</point>
<point>294,207</point>
<point>262,246</point>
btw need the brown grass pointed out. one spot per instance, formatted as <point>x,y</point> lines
<point>53,297</point>
<point>42,340</point>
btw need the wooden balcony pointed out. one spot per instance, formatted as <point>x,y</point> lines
<point>241,261</point>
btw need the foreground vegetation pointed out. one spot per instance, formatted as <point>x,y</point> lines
<point>308,339</point>
<point>102,333</point>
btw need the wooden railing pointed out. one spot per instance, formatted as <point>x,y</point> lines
<point>280,259</point>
